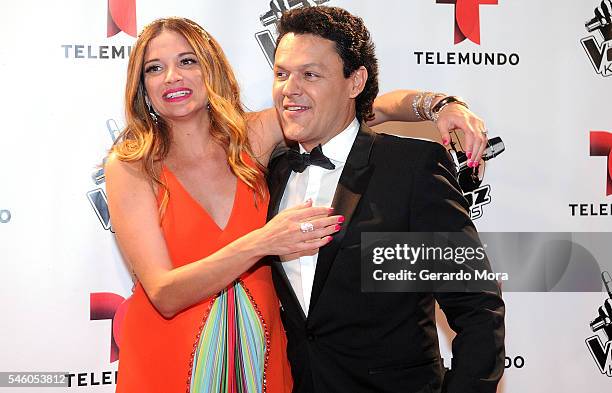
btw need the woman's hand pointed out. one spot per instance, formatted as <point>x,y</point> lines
<point>298,229</point>
<point>399,106</point>
<point>457,117</point>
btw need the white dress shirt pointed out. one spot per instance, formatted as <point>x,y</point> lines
<point>319,184</point>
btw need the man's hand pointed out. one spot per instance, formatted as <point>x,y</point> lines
<point>455,116</point>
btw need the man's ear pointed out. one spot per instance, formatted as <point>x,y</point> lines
<point>358,79</point>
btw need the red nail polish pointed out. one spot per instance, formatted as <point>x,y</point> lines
<point>337,227</point>
<point>445,141</point>
<point>329,239</point>
<point>341,219</point>
<point>469,154</point>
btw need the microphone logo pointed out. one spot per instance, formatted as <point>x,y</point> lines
<point>467,18</point>
<point>121,17</point>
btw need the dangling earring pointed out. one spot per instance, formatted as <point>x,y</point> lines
<point>150,109</point>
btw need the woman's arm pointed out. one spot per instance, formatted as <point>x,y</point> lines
<point>135,219</point>
<point>265,132</point>
<point>398,106</point>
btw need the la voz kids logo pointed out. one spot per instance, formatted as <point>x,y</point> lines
<point>267,38</point>
<point>477,199</point>
<point>602,352</point>
<point>5,216</point>
<point>600,53</point>
<point>97,196</point>
<point>470,179</point>
<point>467,27</point>
<point>120,17</point>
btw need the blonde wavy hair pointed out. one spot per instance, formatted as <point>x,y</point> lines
<point>148,142</point>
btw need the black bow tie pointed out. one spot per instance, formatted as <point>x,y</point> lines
<point>298,162</point>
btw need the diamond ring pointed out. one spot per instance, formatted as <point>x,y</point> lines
<point>306,227</point>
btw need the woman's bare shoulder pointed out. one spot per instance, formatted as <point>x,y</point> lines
<point>265,133</point>
<point>125,175</point>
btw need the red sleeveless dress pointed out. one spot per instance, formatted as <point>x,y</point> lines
<point>233,342</point>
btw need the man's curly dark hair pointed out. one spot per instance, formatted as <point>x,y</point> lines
<point>353,44</point>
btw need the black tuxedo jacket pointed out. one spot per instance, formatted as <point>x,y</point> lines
<point>355,342</point>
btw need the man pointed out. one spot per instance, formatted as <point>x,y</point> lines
<point>339,338</point>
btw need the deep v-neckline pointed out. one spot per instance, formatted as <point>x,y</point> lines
<point>202,208</point>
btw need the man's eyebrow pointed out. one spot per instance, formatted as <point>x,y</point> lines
<point>302,66</point>
<point>312,65</point>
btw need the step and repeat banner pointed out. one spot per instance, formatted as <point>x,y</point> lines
<point>538,72</point>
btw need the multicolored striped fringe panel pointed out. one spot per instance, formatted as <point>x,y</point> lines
<point>232,347</point>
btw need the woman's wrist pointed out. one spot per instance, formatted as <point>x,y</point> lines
<point>251,246</point>
<point>427,105</point>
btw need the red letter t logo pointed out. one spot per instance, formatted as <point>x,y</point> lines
<point>601,145</point>
<point>121,17</point>
<point>467,18</point>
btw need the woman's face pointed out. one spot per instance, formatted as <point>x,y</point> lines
<point>173,78</point>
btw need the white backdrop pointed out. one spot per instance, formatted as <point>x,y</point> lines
<point>58,101</point>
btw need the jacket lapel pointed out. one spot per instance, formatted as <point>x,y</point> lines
<point>351,186</point>
<point>278,176</point>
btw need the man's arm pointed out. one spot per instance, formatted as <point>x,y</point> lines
<point>478,317</point>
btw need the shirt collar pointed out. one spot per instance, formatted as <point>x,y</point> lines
<point>338,148</point>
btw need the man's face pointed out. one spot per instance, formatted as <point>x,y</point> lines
<point>313,99</point>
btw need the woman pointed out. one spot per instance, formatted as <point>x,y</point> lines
<point>188,202</point>
<point>178,334</point>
